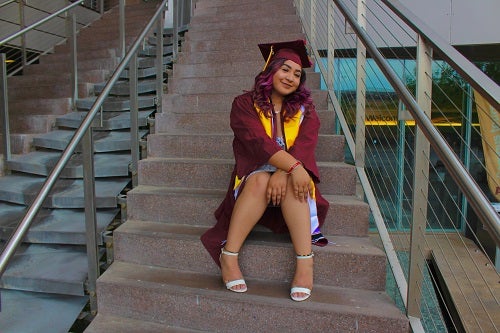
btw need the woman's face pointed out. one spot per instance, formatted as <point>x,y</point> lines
<point>286,80</point>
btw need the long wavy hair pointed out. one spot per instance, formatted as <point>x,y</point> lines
<point>263,88</point>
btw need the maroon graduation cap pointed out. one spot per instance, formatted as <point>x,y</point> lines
<point>292,50</point>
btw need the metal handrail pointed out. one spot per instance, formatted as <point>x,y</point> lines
<point>473,75</point>
<point>479,202</point>
<point>6,3</point>
<point>25,223</point>
<point>38,23</point>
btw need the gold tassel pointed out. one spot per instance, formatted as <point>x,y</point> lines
<point>271,52</point>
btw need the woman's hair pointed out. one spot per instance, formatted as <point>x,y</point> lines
<point>263,88</point>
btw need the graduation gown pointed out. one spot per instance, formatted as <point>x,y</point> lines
<point>253,146</point>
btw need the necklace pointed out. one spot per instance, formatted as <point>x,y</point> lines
<point>276,112</point>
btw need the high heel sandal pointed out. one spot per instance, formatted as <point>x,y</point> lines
<point>302,290</point>
<point>231,284</point>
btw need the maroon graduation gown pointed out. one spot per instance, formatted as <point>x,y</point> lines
<point>253,148</point>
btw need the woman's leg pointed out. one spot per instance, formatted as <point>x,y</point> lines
<point>248,209</point>
<point>298,221</point>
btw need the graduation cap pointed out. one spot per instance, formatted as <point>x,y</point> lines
<point>293,50</point>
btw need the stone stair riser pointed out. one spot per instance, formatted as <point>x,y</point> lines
<point>337,178</point>
<point>32,123</point>
<point>218,122</point>
<point>243,23</point>
<point>83,54</point>
<point>106,64</point>
<point>251,9</point>
<point>35,80</point>
<point>346,216</point>
<point>341,265</point>
<point>50,91</point>
<point>57,106</point>
<point>329,148</point>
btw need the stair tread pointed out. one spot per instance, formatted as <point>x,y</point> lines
<point>52,268</point>
<point>111,164</point>
<point>262,296</point>
<point>58,226</point>
<point>66,193</point>
<point>116,103</point>
<point>111,120</point>
<point>116,324</point>
<point>104,141</point>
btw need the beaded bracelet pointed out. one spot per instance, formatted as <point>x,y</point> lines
<point>296,164</point>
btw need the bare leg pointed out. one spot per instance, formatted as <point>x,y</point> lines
<point>298,220</point>
<point>248,209</point>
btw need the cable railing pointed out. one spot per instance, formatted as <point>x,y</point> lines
<point>83,136</point>
<point>416,113</point>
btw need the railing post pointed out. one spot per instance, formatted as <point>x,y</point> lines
<point>101,7</point>
<point>360,95</point>
<point>159,61</point>
<point>420,182</point>
<point>22,25</point>
<point>175,28</point>
<point>134,118</point>
<point>71,36</point>
<point>90,218</point>
<point>4,111</point>
<point>122,29</point>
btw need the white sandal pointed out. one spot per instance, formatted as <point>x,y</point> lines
<point>231,284</point>
<point>302,290</point>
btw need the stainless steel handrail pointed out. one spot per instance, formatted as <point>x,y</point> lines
<point>6,3</point>
<point>481,205</point>
<point>25,223</point>
<point>38,23</point>
<point>473,75</point>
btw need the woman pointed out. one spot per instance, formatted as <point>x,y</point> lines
<point>274,180</point>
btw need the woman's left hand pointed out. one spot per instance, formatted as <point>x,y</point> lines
<point>276,187</point>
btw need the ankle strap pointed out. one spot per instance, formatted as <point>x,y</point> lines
<point>228,253</point>
<point>307,256</point>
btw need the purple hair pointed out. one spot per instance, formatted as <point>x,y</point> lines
<point>263,88</point>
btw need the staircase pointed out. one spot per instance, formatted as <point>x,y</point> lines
<point>162,278</point>
<point>44,287</point>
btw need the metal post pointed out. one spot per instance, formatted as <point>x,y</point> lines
<point>71,36</point>
<point>22,25</point>
<point>101,7</point>
<point>466,150</point>
<point>360,95</point>
<point>312,36</point>
<point>4,105</point>
<point>122,29</point>
<point>159,62</point>
<point>134,118</point>
<point>175,28</point>
<point>420,182</point>
<point>90,218</point>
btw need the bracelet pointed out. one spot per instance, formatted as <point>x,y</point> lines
<point>295,165</point>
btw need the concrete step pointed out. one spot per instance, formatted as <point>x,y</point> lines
<point>122,88</point>
<point>231,43</point>
<point>54,226</point>
<point>116,324</point>
<point>54,106</point>
<point>264,255</point>
<point>142,73</point>
<point>196,117</point>
<point>252,9</point>
<point>224,84</point>
<point>104,141</point>
<point>42,162</point>
<point>47,90</point>
<point>215,104</point>
<point>203,303</point>
<point>20,143</point>
<point>150,50</point>
<point>82,54</point>
<point>111,120</point>
<point>58,269</point>
<point>35,80</point>
<point>84,65</point>
<point>329,148</point>
<point>336,178</point>
<point>347,216</point>
<point>219,34</point>
<point>221,23</point>
<point>116,103</point>
<point>66,193</point>
<point>32,123</point>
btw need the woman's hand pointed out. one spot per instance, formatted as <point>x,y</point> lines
<point>301,182</point>
<point>276,187</point>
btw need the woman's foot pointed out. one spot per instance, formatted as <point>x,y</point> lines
<point>231,273</point>
<point>303,281</point>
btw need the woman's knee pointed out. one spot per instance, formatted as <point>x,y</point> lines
<point>256,184</point>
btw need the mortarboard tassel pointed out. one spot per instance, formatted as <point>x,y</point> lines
<point>271,52</point>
